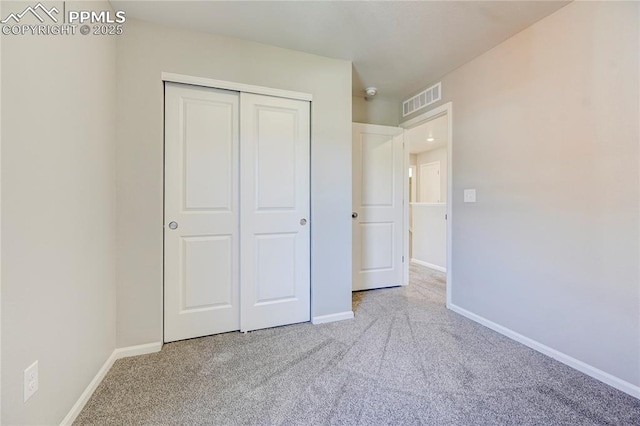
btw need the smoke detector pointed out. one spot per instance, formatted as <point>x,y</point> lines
<point>370,91</point>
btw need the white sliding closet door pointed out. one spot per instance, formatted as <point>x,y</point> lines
<point>236,238</point>
<point>275,237</point>
<point>201,202</point>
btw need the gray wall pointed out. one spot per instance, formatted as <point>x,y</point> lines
<point>545,127</point>
<point>381,111</point>
<point>58,217</point>
<point>144,51</point>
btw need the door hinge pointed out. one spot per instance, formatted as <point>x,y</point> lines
<point>445,217</point>
<point>402,259</point>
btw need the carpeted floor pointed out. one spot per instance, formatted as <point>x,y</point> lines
<point>405,359</point>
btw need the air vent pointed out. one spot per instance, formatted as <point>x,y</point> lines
<point>422,99</point>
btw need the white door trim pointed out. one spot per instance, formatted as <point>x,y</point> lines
<point>446,109</point>
<point>406,201</point>
<point>237,87</point>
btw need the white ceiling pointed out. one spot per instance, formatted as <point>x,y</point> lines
<point>436,129</point>
<point>396,46</point>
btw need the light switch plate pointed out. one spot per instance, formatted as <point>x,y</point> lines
<point>469,195</point>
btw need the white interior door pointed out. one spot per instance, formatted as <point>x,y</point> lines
<point>378,188</point>
<point>430,182</point>
<point>275,241</point>
<point>201,212</point>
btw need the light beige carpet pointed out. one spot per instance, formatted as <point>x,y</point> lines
<point>405,359</point>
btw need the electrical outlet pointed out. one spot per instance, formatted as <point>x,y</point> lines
<point>30,381</point>
<point>469,195</point>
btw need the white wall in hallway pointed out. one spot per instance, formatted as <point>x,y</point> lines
<point>429,235</point>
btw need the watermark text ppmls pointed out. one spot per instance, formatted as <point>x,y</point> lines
<point>59,18</point>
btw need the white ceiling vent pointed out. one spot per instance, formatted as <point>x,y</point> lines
<point>422,99</point>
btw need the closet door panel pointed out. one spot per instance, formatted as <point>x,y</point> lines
<point>201,236</point>
<point>275,236</point>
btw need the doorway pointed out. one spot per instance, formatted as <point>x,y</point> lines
<point>428,141</point>
<point>237,203</point>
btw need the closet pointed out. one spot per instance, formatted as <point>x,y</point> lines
<point>236,211</point>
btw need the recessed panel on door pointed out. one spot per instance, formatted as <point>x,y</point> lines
<point>207,260</point>
<point>201,212</point>
<point>378,176</point>
<point>208,166</point>
<point>275,274</point>
<point>275,242</point>
<point>377,248</point>
<point>275,150</point>
<point>377,159</point>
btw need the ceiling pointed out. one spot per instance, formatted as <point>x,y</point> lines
<point>417,136</point>
<point>397,46</point>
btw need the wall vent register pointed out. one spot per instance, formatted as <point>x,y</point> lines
<point>425,98</point>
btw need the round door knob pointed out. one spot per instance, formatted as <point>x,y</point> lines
<point>354,215</point>
<point>173,225</point>
<point>303,221</point>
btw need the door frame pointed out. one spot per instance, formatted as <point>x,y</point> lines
<point>445,109</point>
<point>167,77</point>
<point>236,87</point>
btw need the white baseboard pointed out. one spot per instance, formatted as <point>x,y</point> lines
<point>333,317</point>
<point>115,355</point>
<point>589,370</point>
<point>428,265</point>
<point>128,351</point>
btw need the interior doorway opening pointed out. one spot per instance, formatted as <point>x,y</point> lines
<point>428,190</point>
